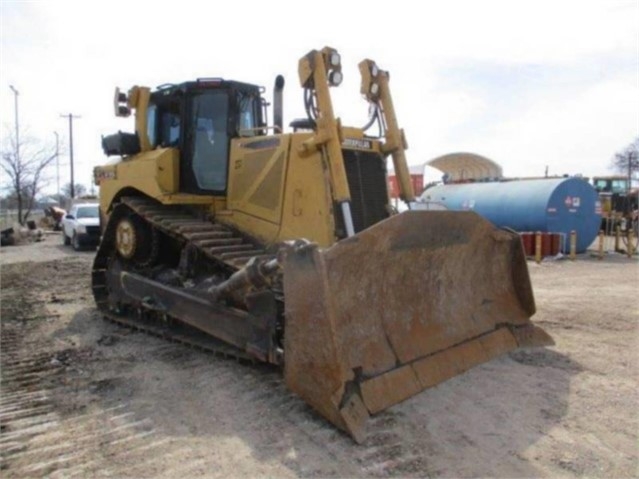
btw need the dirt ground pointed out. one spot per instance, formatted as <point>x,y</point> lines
<point>84,397</point>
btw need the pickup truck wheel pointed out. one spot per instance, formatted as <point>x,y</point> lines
<point>65,239</point>
<point>75,242</point>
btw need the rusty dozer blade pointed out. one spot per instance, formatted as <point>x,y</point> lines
<point>402,306</point>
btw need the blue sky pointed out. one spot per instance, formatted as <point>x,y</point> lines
<point>527,84</point>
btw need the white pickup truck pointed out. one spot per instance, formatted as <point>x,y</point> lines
<point>81,226</point>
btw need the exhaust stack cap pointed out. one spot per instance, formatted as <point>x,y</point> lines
<point>278,107</point>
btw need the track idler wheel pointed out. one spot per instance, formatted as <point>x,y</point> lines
<point>136,240</point>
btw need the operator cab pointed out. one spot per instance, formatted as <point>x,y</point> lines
<point>199,118</point>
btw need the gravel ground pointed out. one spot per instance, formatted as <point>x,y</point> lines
<point>84,397</point>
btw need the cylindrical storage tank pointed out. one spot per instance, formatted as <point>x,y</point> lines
<point>557,205</point>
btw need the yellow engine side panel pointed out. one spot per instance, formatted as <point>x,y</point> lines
<point>274,194</point>
<point>256,179</point>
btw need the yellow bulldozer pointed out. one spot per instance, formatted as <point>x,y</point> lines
<point>226,232</point>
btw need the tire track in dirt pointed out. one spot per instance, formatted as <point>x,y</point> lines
<point>36,438</point>
<point>259,392</point>
<point>50,428</point>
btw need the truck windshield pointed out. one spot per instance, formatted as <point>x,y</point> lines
<point>88,212</point>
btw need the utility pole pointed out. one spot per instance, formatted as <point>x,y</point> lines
<point>71,116</point>
<point>15,100</point>
<point>18,185</point>
<point>57,161</point>
<point>632,158</point>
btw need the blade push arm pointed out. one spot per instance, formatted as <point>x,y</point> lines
<point>376,90</point>
<point>317,71</point>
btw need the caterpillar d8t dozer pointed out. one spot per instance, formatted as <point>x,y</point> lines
<point>223,231</point>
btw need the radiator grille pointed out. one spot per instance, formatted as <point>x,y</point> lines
<point>366,174</point>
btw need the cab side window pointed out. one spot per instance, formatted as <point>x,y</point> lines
<point>151,125</point>
<point>163,124</point>
<point>248,115</point>
<point>170,126</point>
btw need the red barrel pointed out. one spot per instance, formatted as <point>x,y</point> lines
<point>555,245</point>
<point>545,244</point>
<point>528,240</point>
<point>550,243</point>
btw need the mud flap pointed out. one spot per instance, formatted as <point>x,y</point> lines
<point>400,307</point>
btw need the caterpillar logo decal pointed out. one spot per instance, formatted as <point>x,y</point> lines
<point>357,143</point>
<point>100,174</point>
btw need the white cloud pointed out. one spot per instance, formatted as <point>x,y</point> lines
<point>68,56</point>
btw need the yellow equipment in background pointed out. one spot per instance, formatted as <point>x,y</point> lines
<point>225,232</point>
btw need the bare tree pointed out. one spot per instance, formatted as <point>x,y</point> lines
<point>25,170</point>
<point>78,188</point>
<point>627,160</point>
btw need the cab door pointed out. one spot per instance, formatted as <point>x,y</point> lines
<point>204,165</point>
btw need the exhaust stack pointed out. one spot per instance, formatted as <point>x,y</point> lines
<point>278,108</point>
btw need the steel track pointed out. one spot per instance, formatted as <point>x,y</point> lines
<point>226,248</point>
